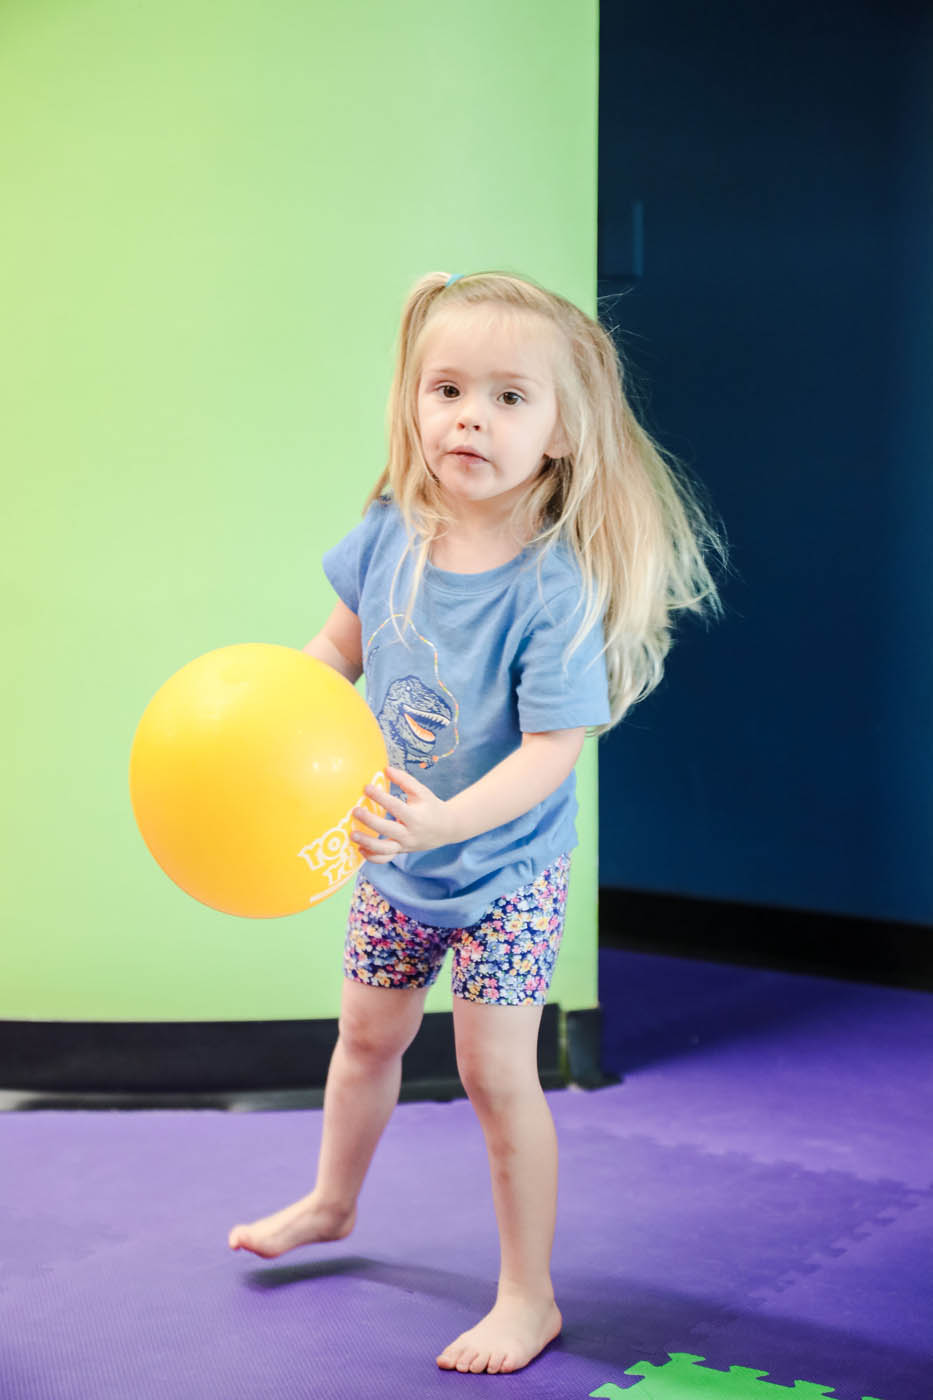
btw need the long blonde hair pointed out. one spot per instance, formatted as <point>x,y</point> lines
<point>620,502</point>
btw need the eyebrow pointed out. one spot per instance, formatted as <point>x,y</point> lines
<point>496,374</point>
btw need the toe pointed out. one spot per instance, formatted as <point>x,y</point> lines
<point>495,1362</point>
<point>450,1357</point>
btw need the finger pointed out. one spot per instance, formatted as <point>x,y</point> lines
<point>403,779</point>
<point>374,837</point>
<point>382,798</point>
<point>378,851</point>
<point>379,824</point>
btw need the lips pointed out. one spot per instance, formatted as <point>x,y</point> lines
<point>463,452</point>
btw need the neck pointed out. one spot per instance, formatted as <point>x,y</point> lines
<point>491,521</point>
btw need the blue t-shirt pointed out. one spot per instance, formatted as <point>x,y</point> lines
<point>481,663</point>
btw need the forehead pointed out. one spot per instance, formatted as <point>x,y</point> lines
<point>488,339</point>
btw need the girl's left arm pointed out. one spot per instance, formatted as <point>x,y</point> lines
<point>526,777</point>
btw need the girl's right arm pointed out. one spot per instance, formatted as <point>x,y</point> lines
<point>339,643</point>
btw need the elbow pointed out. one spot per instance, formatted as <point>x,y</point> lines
<point>558,749</point>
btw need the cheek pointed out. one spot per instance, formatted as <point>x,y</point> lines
<point>430,420</point>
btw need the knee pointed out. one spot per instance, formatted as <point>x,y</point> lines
<point>495,1084</point>
<point>374,1037</point>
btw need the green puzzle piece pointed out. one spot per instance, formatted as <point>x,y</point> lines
<point>683,1378</point>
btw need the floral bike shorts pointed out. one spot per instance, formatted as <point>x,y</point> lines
<point>504,959</point>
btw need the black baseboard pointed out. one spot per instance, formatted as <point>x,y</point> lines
<point>239,1065</point>
<point>283,1064</point>
<point>582,1047</point>
<point>751,935</point>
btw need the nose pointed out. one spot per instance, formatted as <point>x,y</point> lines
<point>467,415</point>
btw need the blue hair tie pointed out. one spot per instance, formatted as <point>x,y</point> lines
<point>452,279</point>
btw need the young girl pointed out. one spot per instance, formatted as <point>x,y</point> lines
<point>510,587</point>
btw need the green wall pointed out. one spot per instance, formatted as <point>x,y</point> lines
<point>212,215</point>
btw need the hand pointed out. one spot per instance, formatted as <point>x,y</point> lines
<point>422,821</point>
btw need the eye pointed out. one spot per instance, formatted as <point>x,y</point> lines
<point>506,393</point>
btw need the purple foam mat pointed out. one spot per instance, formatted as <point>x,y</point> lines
<point>756,1192</point>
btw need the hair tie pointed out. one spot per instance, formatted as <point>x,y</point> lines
<point>452,279</point>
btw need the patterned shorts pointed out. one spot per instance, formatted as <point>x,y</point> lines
<point>504,959</point>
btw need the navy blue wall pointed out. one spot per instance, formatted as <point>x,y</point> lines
<point>781,333</point>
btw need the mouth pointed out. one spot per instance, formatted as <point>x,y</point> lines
<point>467,456</point>
<point>427,736</point>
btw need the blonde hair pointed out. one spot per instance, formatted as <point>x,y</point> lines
<point>620,502</point>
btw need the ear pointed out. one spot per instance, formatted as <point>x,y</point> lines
<point>558,446</point>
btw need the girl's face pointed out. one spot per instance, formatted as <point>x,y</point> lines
<point>487,389</point>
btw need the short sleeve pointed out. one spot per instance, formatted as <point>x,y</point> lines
<point>347,562</point>
<point>555,691</point>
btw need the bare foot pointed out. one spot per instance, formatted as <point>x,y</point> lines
<point>506,1339</point>
<point>305,1222</point>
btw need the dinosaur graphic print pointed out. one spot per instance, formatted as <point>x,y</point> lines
<point>413,720</point>
<point>418,714</point>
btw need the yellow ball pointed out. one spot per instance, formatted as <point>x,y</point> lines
<point>244,770</point>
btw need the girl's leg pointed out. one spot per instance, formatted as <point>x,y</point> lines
<point>497,1059</point>
<point>377,1024</point>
